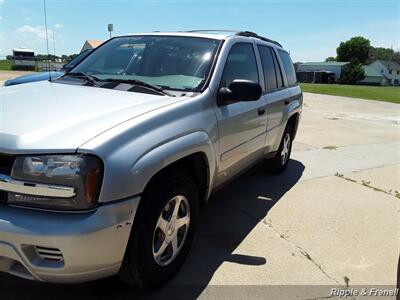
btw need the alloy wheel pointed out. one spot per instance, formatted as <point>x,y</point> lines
<point>285,148</point>
<point>171,230</point>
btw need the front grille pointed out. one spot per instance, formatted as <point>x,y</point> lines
<point>6,163</point>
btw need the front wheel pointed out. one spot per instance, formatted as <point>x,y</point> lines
<point>163,231</point>
<point>279,162</point>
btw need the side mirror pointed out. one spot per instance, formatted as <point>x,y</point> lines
<point>239,90</point>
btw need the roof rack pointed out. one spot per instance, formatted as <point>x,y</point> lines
<point>255,35</point>
<point>213,30</point>
<point>241,33</point>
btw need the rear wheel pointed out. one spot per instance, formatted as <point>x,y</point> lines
<point>163,231</point>
<point>279,162</point>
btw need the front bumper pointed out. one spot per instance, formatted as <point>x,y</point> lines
<point>65,247</point>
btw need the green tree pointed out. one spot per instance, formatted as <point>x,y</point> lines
<point>384,54</point>
<point>72,56</point>
<point>396,57</point>
<point>354,50</point>
<point>46,57</point>
<point>330,58</point>
<point>352,73</point>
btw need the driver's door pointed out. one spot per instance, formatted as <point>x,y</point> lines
<point>241,125</point>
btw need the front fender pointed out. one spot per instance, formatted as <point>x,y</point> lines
<point>129,168</point>
<point>163,155</point>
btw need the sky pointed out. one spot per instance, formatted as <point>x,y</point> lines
<point>310,29</point>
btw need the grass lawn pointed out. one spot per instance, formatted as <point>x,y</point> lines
<point>380,93</point>
<point>5,65</point>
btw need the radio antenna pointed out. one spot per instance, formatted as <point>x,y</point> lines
<point>47,38</point>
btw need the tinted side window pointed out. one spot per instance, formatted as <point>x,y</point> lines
<point>241,64</point>
<point>278,70</point>
<point>268,67</point>
<point>288,67</point>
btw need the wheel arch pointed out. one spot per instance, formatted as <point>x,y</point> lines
<point>195,166</point>
<point>293,122</point>
<point>192,154</point>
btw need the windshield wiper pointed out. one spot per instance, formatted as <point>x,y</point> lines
<point>140,83</point>
<point>87,77</point>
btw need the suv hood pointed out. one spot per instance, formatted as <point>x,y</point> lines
<point>53,117</point>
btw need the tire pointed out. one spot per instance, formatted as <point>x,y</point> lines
<point>141,266</point>
<point>278,164</point>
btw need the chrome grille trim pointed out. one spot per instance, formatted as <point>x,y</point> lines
<point>20,187</point>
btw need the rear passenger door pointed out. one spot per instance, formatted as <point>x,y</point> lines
<point>275,93</point>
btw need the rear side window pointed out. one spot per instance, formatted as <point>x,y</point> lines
<point>241,64</point>
<point>278,70</point>
<point>268,67</point>
<point>288,67</point>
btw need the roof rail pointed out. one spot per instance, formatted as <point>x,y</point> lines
<point>238,32</point>
<point>213,30</point>
<point>255,35</point>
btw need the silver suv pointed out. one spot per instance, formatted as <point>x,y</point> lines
<point>104,170</point>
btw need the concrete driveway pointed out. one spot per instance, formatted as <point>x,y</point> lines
<point>331,220</point>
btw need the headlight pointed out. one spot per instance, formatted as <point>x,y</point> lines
<point>68,182</point>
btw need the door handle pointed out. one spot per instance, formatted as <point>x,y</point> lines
<point>261,111</point>
<point>286,101</point>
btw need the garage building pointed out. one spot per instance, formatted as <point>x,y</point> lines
<point>327,67</point>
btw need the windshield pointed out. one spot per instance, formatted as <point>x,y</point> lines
<point>77,59</point>
<point>170,62</point>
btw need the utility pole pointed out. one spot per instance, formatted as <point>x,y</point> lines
<point>47,37</point>
<point>54,42</point>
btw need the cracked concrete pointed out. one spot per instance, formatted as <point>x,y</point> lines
<point>367,184</point>
<point>302,251</point>
<point>377,178</point>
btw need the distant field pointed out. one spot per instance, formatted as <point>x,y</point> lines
<point>5,65</point>
<point>380,93</point>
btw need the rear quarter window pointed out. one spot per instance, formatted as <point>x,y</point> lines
<point>268,65</point>
<point>288,67</point>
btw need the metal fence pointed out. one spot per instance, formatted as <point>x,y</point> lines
<point>36,64</point>
<point>44,65</point>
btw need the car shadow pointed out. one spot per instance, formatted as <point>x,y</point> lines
<point>231,214</point>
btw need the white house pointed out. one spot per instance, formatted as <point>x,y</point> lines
<point>329,66</point>
<point>389,69</point>
<point>373,77</point>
